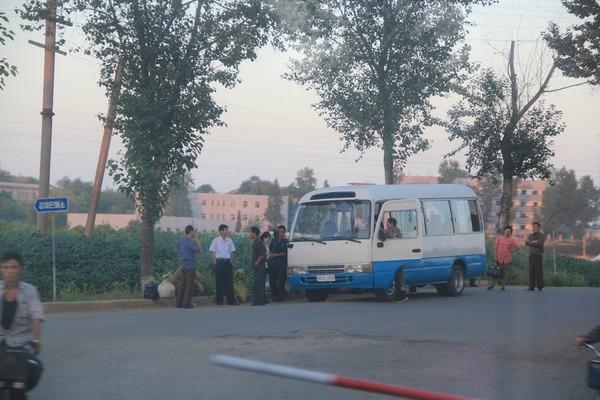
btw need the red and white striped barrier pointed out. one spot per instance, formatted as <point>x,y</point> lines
<point>331,379</point>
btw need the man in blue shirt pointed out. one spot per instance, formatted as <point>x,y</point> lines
<point>187,247</point>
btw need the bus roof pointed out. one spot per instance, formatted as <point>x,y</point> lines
<point>390,192</point>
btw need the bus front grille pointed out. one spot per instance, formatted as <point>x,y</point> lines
<point>326,269</point>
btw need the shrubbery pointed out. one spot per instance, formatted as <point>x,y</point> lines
<point>107,260</point>
<point>570,271</point>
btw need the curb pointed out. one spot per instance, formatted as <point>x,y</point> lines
<point>109,305</point>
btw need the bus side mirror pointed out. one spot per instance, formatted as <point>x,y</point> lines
<point>290,245</point>
<point>380,244</point>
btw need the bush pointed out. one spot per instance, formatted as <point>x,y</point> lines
<point>108,260</point>
<point>570,271</point>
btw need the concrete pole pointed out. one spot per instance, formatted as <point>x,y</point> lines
<point>47,113</point>
<point>104,147</point>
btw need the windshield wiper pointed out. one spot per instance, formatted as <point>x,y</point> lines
<point>351,239</point>
<point>308,240</point>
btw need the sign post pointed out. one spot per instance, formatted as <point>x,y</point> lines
<point>52,205</point>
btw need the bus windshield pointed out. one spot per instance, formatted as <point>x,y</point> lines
<point>333,220</point>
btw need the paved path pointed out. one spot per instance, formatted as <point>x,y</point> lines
<point>488,345</point>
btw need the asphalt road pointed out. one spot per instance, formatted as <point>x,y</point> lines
<point>486,345</point>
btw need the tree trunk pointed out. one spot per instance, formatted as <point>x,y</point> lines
<point>505,203</point>
<point>388,162</point>
<point>147,255</point>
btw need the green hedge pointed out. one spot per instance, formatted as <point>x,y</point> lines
<point>570,271</point>
<point>106,261</point>
<point>109,260</point>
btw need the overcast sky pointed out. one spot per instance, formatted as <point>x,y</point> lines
<point>272,129</point>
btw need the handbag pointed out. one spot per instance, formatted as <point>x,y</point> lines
<point>495,271</point>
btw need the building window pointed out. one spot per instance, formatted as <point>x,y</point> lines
<point>212,203</point>
<point>204,203</point>
<point>523,204</point>
<point>497,202</point>
<point>232,217</point>
<point>245,217</point>
<point>523,191</point>
<point>257,205</point>
<point>202,216</point>
<point>244,204</point>
<point>522,227</point>
<point>535,192</point>
<point>535,203</point>
<point>523,215</point>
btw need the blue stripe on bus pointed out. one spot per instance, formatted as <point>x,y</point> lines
<point>416,272</point>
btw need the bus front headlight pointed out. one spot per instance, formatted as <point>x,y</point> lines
<point>297,270</point>
<point>357,268</point>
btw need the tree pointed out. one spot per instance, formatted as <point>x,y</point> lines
<point>13,211</point>
<point>449,171</point>
<point>578,47</point>
<point>569,205</point>
<point>505,130</point>
<point>305,182</point>
<point>179,204</point>
<point>76,190</point>
<point>488,191</point>
<point>205,188</point>
<point>238,222</point>
<point>376,64</point>
<point>255,185</point>
<point>273,212</point>
<point>115,202</point>
<point>6,69</point>
<point>174,53</point>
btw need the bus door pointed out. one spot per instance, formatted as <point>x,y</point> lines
<point>398,242</point>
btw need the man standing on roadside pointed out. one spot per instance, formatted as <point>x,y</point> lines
<point>535,241</point>
<point>278,264</point>
<point>187,247</point>
<point>221,249</point>
<point>259,256</point>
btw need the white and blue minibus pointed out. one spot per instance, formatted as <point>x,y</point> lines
<point>340,238</point>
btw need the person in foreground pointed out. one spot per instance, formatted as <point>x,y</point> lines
<point>592,337</point>
<point>21,316</point>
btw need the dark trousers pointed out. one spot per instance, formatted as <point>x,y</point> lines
<point>224,281</point>
<point>536,271</point>
<point>277,278</point>
<point>185,288</point>
<point>259,298</point>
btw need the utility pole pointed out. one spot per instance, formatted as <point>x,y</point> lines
<point>104,147</point>
<point>49,47</point>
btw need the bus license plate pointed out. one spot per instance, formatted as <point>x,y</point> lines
<point>325,278</point>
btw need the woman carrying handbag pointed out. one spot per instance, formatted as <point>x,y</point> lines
<point>504,247</point>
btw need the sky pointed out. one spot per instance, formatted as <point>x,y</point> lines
<point>272,131</point>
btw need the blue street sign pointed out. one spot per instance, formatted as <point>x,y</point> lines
<point>52,205</point>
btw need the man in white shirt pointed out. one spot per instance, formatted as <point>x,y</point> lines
<point>221,249</point>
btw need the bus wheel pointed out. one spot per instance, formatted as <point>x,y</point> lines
<point>391,293</point>
<point>456,284</point>
<point>316,295</point>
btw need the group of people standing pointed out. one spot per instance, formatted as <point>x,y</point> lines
<point>504,247</point>
<point>267,254</point>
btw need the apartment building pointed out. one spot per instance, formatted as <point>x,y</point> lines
<point>213,209</point>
